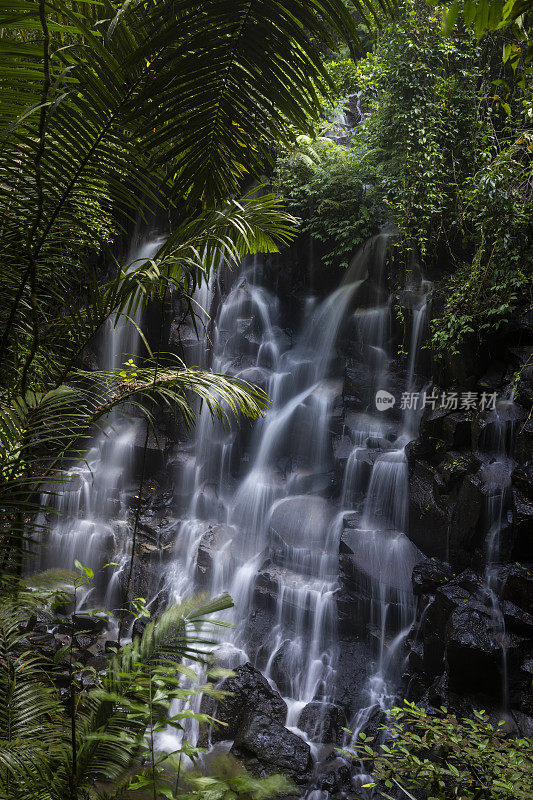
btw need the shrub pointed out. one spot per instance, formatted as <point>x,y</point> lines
<point>447,758</point>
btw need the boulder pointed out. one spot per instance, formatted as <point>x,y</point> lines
<point>454,466</point>
<point>322,722</point>
<point>429,575</point>
<point>342,449</point>
<point>474,653</point>
<point>248,692</point>
<point>516,619</point>
<point>377,558</point>
<point>334,777</point>
<point>265,747</point>
<point>301,521</point>
<point>517,586</point>
<point>213,551</point>
<point>378,443</point>
<point>522,478</point>
<point>522,526</point>
<point>467,522</point>
<point>285,665</point>
<point>524,442</point>
<point>450,430</point>
<point>429,521</point>
<point>89,624</point>
<point>447,598</point>
<point>375,717</point>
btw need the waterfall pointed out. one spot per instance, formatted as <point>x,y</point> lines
<point>91,524</point>
<point>301,517</point>
<point>261,501</point>
<point>496,473</point>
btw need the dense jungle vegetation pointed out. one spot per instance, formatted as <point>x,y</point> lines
<point>444,152</point>
<point>213,117</point>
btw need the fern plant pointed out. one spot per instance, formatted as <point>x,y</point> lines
<point>104,738</point>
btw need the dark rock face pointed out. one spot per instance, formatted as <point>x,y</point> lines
<point>265,746</point>
<point>427,514</point>
<point>253,715</point>
<point>322,722</point>
<point>429,575</point>
<point>153,456</point>
<point>334,777</point>
<point>474,660</point>
<point>212,550</point>
<point>523,526</point>
<point>517,586</point>
<point>249,692</point>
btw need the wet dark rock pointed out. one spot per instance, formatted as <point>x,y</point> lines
<point>322,722</point>
<point>282,668</point>
<point>153,456</point>
<point>350,521</point>
<point>447,598</point>
<point>444,429</point>
<point>47,643</point>
<point>516,619</point>
<point>415,659</point>
<point>429,575</point>
<point>266,587</point>
<point>455,465</point>
<point>213,551</point>
<point>82,622</point>
<point>474,655</point>
<point>342,448</point>
<point>369,558</point>
<point>275,748</point>
<point>209,503</point>
<point>245,340</point>
<point>517,586</point>
<point>524,724</point>
<point>353,388</point>
<point>493,378</point>
<point>183,340</point>
<point>524,442</point>
<point>249,693</point>
<point>352,672</point>
<point>378,443</point>
<point>83,641</point>
<point>466,530</point>
<point>429,520</point>
<point>256,634</point>
<point>469,580</point>
<point>375,718</point>
<point>99,663</point>
<point>494,429</point>
<point>334,776</point>
<point>259,376</point>
<point>323,483</point>
<point>301,518</point>
<point>523,480</point>
<point>522,526</point>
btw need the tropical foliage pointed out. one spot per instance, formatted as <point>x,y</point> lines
<point>321,182</point>
<point>445,153</point>
<point>445,757</point>
<point>108,113</point>
<point>100,739</point>
<point>117,120</point>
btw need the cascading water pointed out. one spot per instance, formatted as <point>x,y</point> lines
<point>91,525</point>
<point>297,517</point>
<point>496,472</point>
<point>259,514</point>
